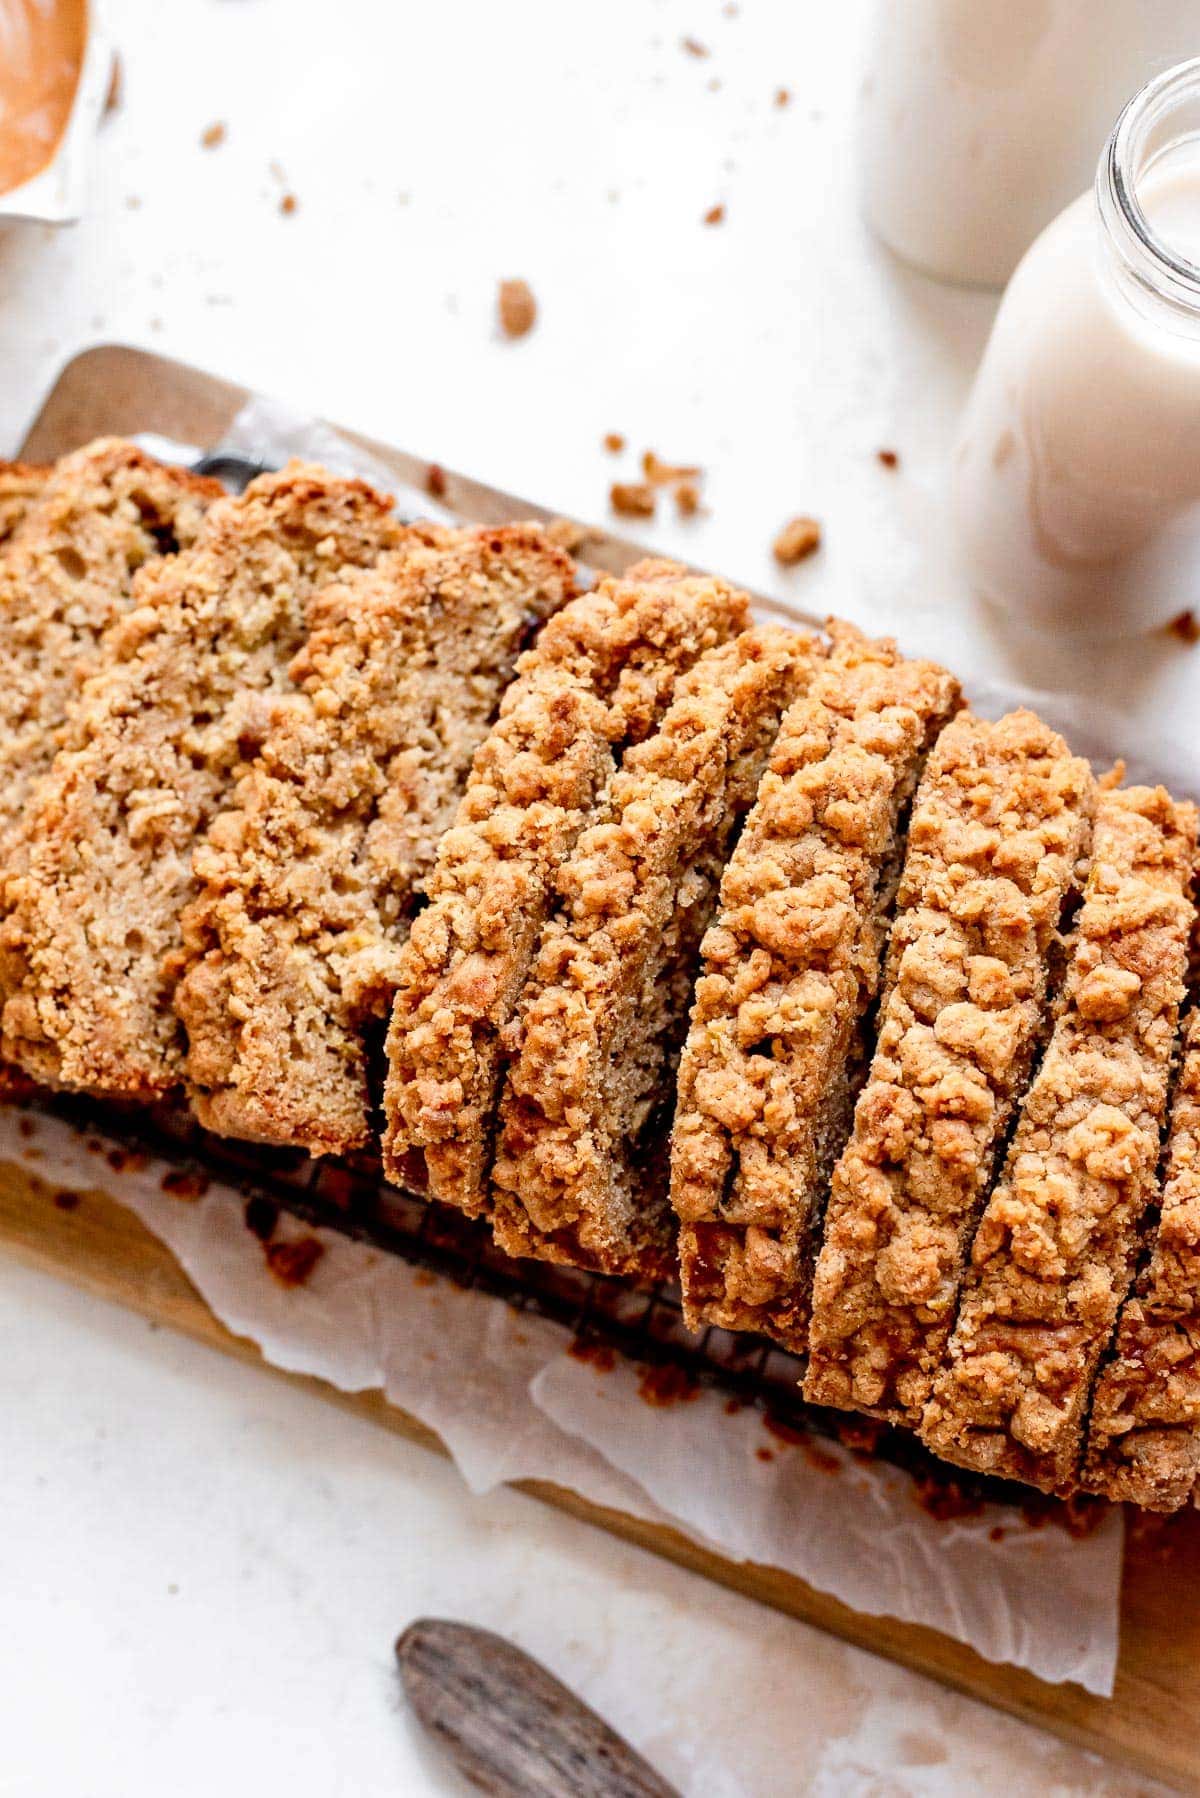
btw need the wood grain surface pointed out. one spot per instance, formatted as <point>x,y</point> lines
<point>1152,1722</point>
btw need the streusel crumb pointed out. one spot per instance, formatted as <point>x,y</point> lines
<point>580,1172</point>
<point>767,1080</point>
<point>1053,1256</point>
<point>599,678</point>
<point>999,829</point>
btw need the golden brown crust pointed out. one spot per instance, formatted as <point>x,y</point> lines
<point>85,529</point>
<point>1054,1252</point>
<point>600,676</point>
<point>178,702</point>
<point>1000,824</point>
<point>766,1080</point>
<point>602,1014</point>
<point>21,486</point>
<point>306,883</point>
<point>1144,1433</point>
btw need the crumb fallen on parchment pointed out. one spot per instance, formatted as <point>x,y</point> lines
<point>288,204</point>
<point>715,215</point>
<point>783,96</point>
<point>1186,627</point>
<point>687,499</point>
<point>516,308</point>
<point>614,442</point>
<point>889,458</point>
<point>799,538</point>
<point>632,499</point>
<point>213,136</point>
<point>435,481</point>
<point>694,47</point>
<point>292,1262</point>
<point>665,474</point>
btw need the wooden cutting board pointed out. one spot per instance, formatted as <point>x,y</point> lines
<point>1152,1722</point>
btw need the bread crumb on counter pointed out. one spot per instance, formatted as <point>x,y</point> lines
<point>516,308</point>
<point>715,215</point>
<point>614,442</point>
<point>213,136</point>
<point>632,499</point>
<point>799,539</point>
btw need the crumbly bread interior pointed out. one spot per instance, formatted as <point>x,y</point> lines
<point>306,884</point>
<point>177,705</point>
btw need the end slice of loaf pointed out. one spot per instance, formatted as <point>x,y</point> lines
<point>1000,825</point>
<point>767,1080</point>
<point>1054,1253</point>
<point>599,678</point>
<point>580,1164</point>
<point>86,528</point>
<point>308,881</point>
<point>178,703</point>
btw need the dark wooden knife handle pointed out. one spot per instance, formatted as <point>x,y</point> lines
<point>508,1725</point>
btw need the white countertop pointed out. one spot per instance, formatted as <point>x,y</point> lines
<point>203,1570</point>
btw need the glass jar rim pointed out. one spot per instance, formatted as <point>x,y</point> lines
<point>1159,269</point>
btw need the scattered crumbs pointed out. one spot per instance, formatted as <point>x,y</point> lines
<point>764,1454</point>
<point>337,1186</point>
<point>424,1276</point>
<point>662,474</point>
<point>715,215</point>
<point>116,86</point>
<point>997,1533</point>
<point>614,442</point>
<point>664,1384</point>
<point>435,480</point>
<point>67,1201</point>
<point>261,1216</point>
<point>26,1128</point>
<point>1185,627</point>
<point>600,1355</point>
<point>733,1406</point>
<point>213,136</point>
<point>783,1431</point>
<point>823,1459</point>
<point>288,204</point>
<point>94,1146</point>
<point>293,1262</point>
<point>687,499</point>
<point>861,1435</point>
<point>516,308</point>
<point>632,499</point>
<point>799,538</point>
<point>944,1498</point>
<point>888,458</point>
<point>182,1185</point>
<point>783,97</point>
<point>693,46</point>
<point>133,202</point>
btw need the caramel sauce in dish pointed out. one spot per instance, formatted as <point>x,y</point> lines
<point>42,44</point>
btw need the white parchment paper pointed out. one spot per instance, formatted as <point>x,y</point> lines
<point>510,1402</point>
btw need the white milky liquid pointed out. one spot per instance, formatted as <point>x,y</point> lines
<point>1077,475</point>
<point>982,118</point>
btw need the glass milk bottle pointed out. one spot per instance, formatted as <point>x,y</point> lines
<point>981,118</point>
<point>1076,491</point>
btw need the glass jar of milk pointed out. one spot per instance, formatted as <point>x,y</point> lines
<point>981,118</point>
<point>1076,492</point>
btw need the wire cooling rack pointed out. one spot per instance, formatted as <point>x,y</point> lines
<point>604,1316</point>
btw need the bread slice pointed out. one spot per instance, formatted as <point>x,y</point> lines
<point>21,485</point>
<point>84,530</point>
<point>999,828</point>
<point>177,705</point>
<point>1055,1250</point>
<point>307,883</point>
<point>599,678</point>
<point>580,1172</point>
<point>1144,1433</point>
<point>768,1076</point>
